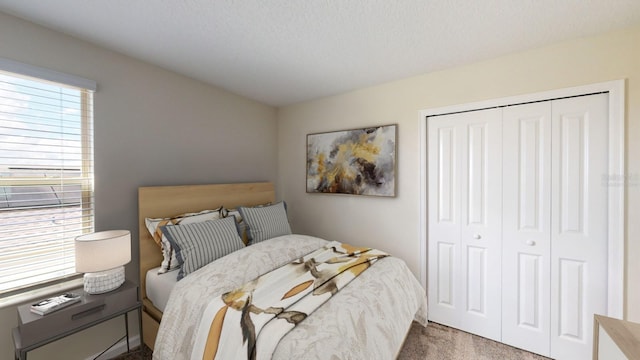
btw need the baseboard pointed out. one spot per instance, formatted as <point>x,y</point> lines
<point>118,349</point>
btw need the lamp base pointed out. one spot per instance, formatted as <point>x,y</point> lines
<point>103,281</point>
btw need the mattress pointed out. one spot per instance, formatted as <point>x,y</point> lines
<point>159,287</point>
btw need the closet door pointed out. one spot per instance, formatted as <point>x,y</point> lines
<point>526,236</point>
<point>443,138</point>
<point>518,223</point>
<point>465,214</point>
<point>578,222</point>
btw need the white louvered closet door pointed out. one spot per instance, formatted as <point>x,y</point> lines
<point>465,212</point>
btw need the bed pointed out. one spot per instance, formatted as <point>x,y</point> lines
<point>368,318</point>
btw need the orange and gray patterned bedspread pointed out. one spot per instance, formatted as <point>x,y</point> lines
<point>367,318</point>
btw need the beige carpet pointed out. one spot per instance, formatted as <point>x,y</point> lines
<point>445,343</point>
<point>435,342</point>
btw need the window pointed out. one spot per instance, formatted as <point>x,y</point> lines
<point>46,173</point>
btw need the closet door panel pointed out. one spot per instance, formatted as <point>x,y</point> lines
<point>530,280</point>
<point>481,220</point>
<point>447,184</point>
<point>572,299</point>
<point>526,226</point>
<point>578,222</point>
<point>465,220</point>
<point>444,220</point>
<point>446,271</point>
<point>476,280</point>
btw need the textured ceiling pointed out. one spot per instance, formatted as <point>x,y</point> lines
<point>285,51</point>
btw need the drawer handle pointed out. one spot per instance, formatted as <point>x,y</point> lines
<point>88,312</point>
<point>477,236</point>
<point>530,242</point>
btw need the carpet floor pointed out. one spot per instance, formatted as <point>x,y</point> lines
<point>437,342</point>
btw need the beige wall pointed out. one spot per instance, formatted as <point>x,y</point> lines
<point>393,224</point>
<point>152,127</point>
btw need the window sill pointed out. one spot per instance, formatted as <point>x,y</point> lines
<point>39,293</point>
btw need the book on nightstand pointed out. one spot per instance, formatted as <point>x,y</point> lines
<point>46,306</point>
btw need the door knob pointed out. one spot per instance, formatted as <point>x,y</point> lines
<point>477,236</point>
<point>530,242</point>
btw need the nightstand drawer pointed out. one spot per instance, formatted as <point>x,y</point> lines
<point>34,328</point>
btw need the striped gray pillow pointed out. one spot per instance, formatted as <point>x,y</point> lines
<point>198,244</point>
<point>266,222</point>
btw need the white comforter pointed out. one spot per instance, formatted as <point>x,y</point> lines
<point>368,319</point>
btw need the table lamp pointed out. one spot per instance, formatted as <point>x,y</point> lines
<point>102,256</point>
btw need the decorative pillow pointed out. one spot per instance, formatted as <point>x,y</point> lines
<point>242,226</point>
<point>169,261</point>
<point>198,244</point>
<point>265,222</point>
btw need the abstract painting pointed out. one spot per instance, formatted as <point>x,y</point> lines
<point>357,162</point>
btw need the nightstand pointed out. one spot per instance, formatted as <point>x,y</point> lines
<point>34,330</point>
<point>615,339</point>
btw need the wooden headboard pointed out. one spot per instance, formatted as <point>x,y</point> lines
<point>167,201</point>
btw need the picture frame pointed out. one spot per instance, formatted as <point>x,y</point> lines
<point>355,162</point>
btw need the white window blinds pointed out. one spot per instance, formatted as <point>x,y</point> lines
<point>46,175</point>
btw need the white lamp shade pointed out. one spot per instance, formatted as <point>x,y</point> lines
<point>102,250</point>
